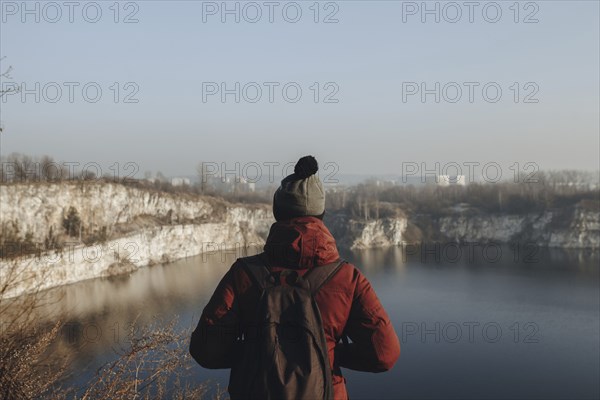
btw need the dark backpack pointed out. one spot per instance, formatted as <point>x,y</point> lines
<point>285,355</point>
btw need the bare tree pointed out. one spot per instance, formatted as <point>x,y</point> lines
<point>6,75</point>
<point>4,91</point>
<point>203,175</point>
<point>152,362</point>
<point>24,343</point>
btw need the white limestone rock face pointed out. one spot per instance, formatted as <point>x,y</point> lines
<point>155,227</point>
<point>126,254</point>
<point>466,228</point>
<point>209,225</point>
<point>570,228</point>
<point>582,232</point>
<point>34,208</point>
<point>577,228</point>
<point>377,233</point>
<point>366,234</point>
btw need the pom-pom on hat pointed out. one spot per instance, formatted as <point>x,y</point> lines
<point>301,193</point>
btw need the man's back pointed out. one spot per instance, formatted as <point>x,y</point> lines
<point>347,304</point>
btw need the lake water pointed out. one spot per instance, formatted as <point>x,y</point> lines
<point>508,325</point>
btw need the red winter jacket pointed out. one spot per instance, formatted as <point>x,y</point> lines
<point>346,302</point>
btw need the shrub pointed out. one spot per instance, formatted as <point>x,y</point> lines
<point>72,222</point>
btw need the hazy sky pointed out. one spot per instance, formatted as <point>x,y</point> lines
<point>375,61</point>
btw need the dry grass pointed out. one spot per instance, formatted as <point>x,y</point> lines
<point>153,361</point>
<point>152,364</point>
<point>25,372</point>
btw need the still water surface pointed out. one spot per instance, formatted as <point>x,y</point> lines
<point>469,328</point>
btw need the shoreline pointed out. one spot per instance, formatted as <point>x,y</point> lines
<point>130,253</point>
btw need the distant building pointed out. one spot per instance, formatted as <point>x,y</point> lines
<point>384,183</point>
<point>245,186</point>
<point>449,180</point>
<point>180,181</point>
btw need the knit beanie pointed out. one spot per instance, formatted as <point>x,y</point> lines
<point>301,193</point>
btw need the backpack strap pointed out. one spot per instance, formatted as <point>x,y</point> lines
<point>318,276</point>
<point>257,271</point>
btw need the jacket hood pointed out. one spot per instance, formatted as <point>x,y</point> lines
<point>302,242</point>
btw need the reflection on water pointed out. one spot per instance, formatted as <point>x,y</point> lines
<point>470,327</point>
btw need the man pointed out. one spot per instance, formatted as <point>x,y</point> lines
<point>347,303</point>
